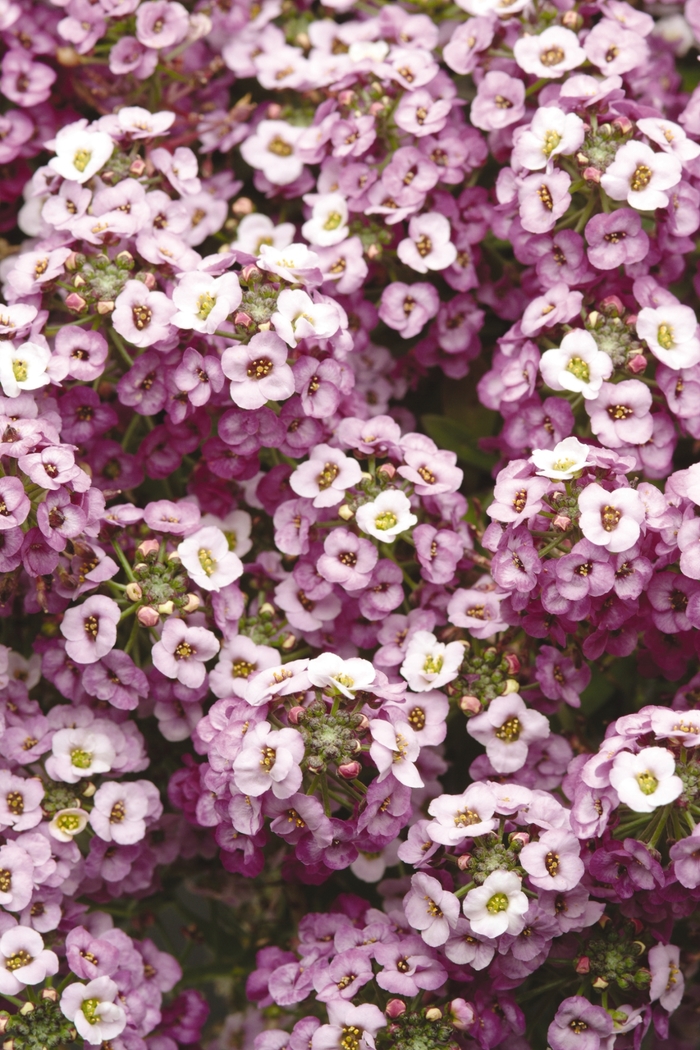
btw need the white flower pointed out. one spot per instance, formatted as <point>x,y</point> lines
<point>294,263</point>
<point>271,150</point>
<point>576,365</point>
<point>647,780</point>
<point>208,560</point>
<point>236,528</point>
<point>23,367</point>
<point>430,664</point>
<point>640,176</point>
<point>563,461</point>
<point>91,1009</point>
<point>329,219</point>
<point>24,960</point>
<point>611,519</point>
<point>387,516</point>
<point>394,750</point>
<point>298,317</point>
<point>257,230</point>
<point>506,729</point>
<point>497,906</point>
<point>671,137</point>
<point>347,676</point>
<point>80,153</point>
<point>550,133</point>
<point>457,817</point>
<point>142,124</point>
<point>68,823</point>
<point>204,302</point>
<point>79,752</point>
<point>671,333</point>
<point>549,54</point>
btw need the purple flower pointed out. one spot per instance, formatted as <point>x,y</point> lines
<point>431,909</point>
<point>183,651</point>
<point>408,966</point>
<point>553,862</point>
<point>578,1025</point>
<point>406,308</point>
<point>616,239</point>
<point>90,629</point>
<point>559,678</point>
<point>269,761</point>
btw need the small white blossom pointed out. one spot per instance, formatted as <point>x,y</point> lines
<point>430,664</point>
<point>387,516</point>
<point>80,153</point>
<point>647,780</point>
<point>498,906</point>
<point>576,365</point>
<point>208,560</point>
<point>563,461</point>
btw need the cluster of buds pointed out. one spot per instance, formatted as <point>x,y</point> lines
<point>97,281</point>
<point>159,584</point>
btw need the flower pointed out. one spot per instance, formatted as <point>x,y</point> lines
<point>24,960</point>
<point>120,810</point>
<point>551,132</point>
<point>209,562</point>
<point>80,152</point>
<point>258,372</point>
<point>204,302</point>
<point>90,629</point>
<point>430,664</point>
<point>577,364</point>
<point>92,1010</point>
<point>497,906</point>
<point>394,750</point>
<point>610,519</point>
<point>578,1025</point>
<point>387,516</point>
<point>457,817</point>
<point>506,729</point>
<point>671,333</point>
<point>550,54</point>
<point>667,983</point>
<point>641,177</point>
<point>347,676</point>
<point>80,752</point>
<point>428,245</point>
<point>646,780</point>
<point>271,149</point>
<point>563,462</point>
<point>67,823</point>
<point>326,476</point>
<point>183,651</point>
<point>553,862</point>
<point>347,1020</point>
<point>269,761</point>
<point>141,316</point>
<point>431,909</point>
<point>23,367</point>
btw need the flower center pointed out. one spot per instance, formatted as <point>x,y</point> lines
<point>15,802</point>
<point>520,500</point>
<point>386,520</point>
<point>552,56</point>
<point>206,561</point>
<point>81,159</point>
<point>619,412</point>
<point>242,669</point>
<point>279,147</point>
<point>432,665</point>
<point>416,719</point>
<point>465,818</point>
<point>497,903</point>
<point>267,760</point>
<point>546,197</point>
<point>503,103</point>
<point>664,336</point>
<point>647,782</point>
<point>563,464</point>
<point>118,813</point>
<point>142,317</point>
<point>184,651</point>
<point>205,305</point>
<point>350,1038</point>
<point>348,558</point>
<point>259,368</point>
<point>641,178</point>
<point>328,475</point>
<point>333,221</point>
<point>433,910</point>
<point>90,1010</point>
<point>20,370</point>
<point>509,732</point>
<point>81,759</point>
<point>551,863</point>
<point>578,367</point>
<point>424,246</point>
<point>551,141</point>
<point>5,880</point>
<point>68,822</point>
<point>610,518</point>
<point>20,958</point>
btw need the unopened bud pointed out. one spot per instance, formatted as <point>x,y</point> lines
<point>295,714</point>
<point>147,616</point>
<point>243,318</point>
<point>464,862</point>
<point>166,608</point>
<point>346,513</point>
<point>349,770</point>
<point>623,125</point>
<point>462,1014</point>
<point>363,725</point>
<point>387,470</point>
<point>105,307</point>
<point>395,1007</point>
<point>49,993</point>
<point>592,174</point>
<point>4,1018</point>
<point>124,258</point>
<point>512,661</point>
<point>75,303</point>
<point>374,251</point>
<point>572,20</point>
<point>470,705</point>
<point>302,40</point>
<point>600,983</point>
<point>637,364</point>
<point>242,206</point>
<point>71,262</point>
<point>149,279</point>
<point>193,603</point>
<point>147,547</point>
<point>137,167</point>
<point>511,686</point>
<point>79,281</point>
<point>562,522</point>
<point>274,111</point>
<point>612,305</point>
<point>250,273</point>
<point>266,609</point>
<point>316,764</point>
<point>174,558</point>
<point>376,108</point>
<point>134,592</point>
<point>89,790</point>
<point>265,326</point>
<point>582,160</point>
<point>433,1013</point>
<point>289,642</point>
<point>583,965</point>
<point>68,57</point>
<point>519,839</point>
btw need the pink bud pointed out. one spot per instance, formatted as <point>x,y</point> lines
<point>387,470</point>
<point>149,279</point>
<point>464,861</point>
<point>592,174</point>
<point>105,306</point>
<point>349,770</point>
<point>72,261</point>
<point>75,302</point>
<point>375,108</point>
<point>147,616</point>
<point>395,1007</point>
<point>243,318</point>
<point>583,965</point>
<point>562,521</point>
<point>346,97</point>
<point>137,167</point>
<point>637,363</point>
<point>520,836</point>
<point>147,547</point>
<point>513,662</point>
<point>470,705</point>
<point>274,111</point>
<point>295,714</point>
<point>462,1014</point>
<point>622,124</point>
<point>612,302</point>
<point>249,271</point>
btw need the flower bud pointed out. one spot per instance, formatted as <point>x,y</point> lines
<point>242,206</point>
<point>134,592</point>
<point>395,1007</point>
<point>592,174</point>
<point>346,513</point>
<point>387,470</point>
<point>137,167</point>
<point>623,125</point>
<point>512,661</point>
<point>462,1014</point>
<point>612,306</point>
<point>316,764</point>
<point>289,642</point>
<point>75,302</point>
<point>511,686</point>
<point>71,262</point>
<point>243,318</point>
<point>374,251</point>
<point>149,279</point>
<point>193,602</point>
<point>166,608</point>
<point>174,558</point>
<point>363,725</point>
<point>265,326</point>
<point>79,281</point>
<point>49,993</point>
<point>562,522</point>
<point>28,1008</point>
<point>250,273</point>
<point>147,616</point>
<point>89,790</point>
<point>266,609</point>
<point>519,839</point>
<point>147,547</point>
<point>600,983</point>
<point>572,20</point>
<point>433,1013</point>
<point>464,862</point>
<point>637,364</point>
<point>349,770</point>
<point>376,108</point>
<point>295,714</point>
<point>68,57</point>
<point>274,111</point>
<point>105,306</point>
<point>470,705</point>
<point>583,965</point>
<point>4,1018</point>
